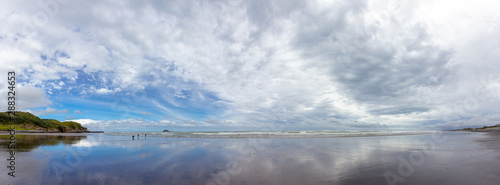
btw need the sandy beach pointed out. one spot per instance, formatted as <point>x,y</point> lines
<point>493,141</point>
<point>457,158</point>
<point>75,158</point>
<point>250,92</point>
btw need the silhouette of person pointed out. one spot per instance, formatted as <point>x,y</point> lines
<point>132,137</point>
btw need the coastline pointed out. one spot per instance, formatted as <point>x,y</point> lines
<point>50,134</point>
<point>41,131</point>
<point>24,132</point>
<point>406,159</point>
<point>235,135</point>
<point>492,140</point>
<point>228,135</point>
<point>270,135</point>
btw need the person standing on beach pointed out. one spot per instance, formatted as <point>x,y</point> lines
<point>132,137</point>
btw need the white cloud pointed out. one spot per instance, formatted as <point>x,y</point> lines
<point>291,62</point>
<point>84,121</point>
<point>48,111</point>
<point>137,124</point>
<point>103,91</point>
<point>25,97</point>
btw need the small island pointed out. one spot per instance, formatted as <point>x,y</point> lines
<point>27,122</point>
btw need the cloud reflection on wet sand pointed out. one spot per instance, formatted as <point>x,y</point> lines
<point>345,160</point>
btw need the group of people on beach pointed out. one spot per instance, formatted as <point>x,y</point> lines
<point>138,136</point>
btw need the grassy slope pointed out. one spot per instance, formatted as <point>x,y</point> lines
<point>28,121</point>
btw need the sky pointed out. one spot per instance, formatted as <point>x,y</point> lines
<point>260,65</point>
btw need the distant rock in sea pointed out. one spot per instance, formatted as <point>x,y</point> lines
<point>166,130</point>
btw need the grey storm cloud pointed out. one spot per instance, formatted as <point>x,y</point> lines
<point>397,110</point>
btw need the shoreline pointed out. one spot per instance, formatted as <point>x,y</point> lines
<point>40,131</point>
<point>229,135</point>
<point>235,135</point>
<point>266,135</point>
<point>49,133</point>
<point>493,133</point>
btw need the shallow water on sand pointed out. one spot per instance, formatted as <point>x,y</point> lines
<point>439,158</point>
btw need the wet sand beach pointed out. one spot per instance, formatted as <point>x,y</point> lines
<point>439,158</point>
<point>455,158</point>
<point>493,141</point>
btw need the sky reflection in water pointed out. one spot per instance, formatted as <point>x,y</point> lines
<point>104,159</point>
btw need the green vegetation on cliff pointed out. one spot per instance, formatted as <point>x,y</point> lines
<point>28,121</point>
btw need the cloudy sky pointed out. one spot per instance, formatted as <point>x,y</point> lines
<point>255,65</point>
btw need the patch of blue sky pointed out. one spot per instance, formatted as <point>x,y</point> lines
<point>188,105</point>
<point>152,103</point>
